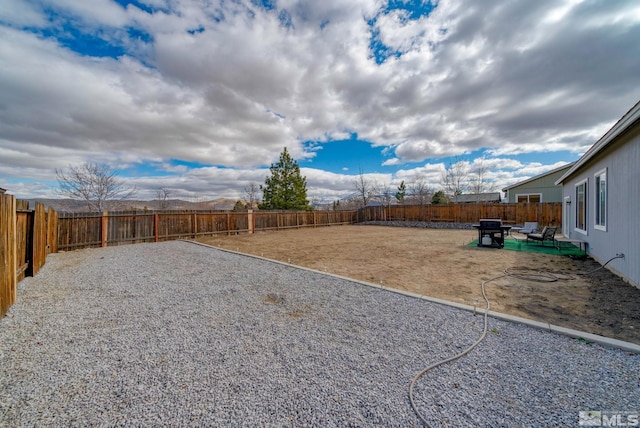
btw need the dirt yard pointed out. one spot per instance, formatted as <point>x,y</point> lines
<point>438,263</point>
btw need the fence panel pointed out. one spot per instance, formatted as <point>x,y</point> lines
<point>544,213</point>
<point>239,222</point>
<point>39,240</point>
<point>23,238</point>
<point>8,281</point>
<point>265,220</point>
<point>129,228</point>
<point>174,226</point>
<point>112,228</point>
<point>24,243</point>
<point>79,230</point>
<point>52,231</point>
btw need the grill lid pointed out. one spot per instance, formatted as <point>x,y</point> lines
<point>490,223</point>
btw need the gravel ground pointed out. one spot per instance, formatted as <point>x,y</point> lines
<point>177,334</point>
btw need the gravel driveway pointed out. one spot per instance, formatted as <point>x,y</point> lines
<point>177,334</point>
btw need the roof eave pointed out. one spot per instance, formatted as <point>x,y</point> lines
<point>520,183</point>
<point>627,121</point>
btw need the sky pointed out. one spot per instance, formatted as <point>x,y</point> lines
<point>200,97</point>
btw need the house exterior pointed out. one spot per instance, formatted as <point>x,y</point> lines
<point>541,188</point>
<point>601,198</point>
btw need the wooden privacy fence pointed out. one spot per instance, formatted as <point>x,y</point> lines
<point>82,230</point>
<point>546,214</point>
<point>26,237</point>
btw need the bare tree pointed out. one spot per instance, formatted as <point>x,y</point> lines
<point>365,190</point>
<point>419,192</point>
<point>162,195</point>
<point>455,178</point>
<point>350,203</point>
<point>93,183</point>
<point>252,195</point>
<point>479,181</point>
<point>385,194</point>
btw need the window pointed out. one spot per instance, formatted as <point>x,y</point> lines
<point>581,207</point>
<point>601,200</point>
<point>533,198</point>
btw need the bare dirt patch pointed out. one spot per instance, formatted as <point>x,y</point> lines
<point>438,263</point>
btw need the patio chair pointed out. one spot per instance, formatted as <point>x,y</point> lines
<point>529,227</point>
<point>547,234</point>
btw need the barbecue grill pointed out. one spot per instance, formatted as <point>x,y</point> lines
<point>491,232</point>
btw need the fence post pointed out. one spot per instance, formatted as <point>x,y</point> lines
<point>8,252</point>
<point>250,221</point>
<point>194,226</point>
<point>104,228</point>
<point>155,226</point>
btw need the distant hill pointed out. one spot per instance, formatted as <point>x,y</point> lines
<point>69,205</point>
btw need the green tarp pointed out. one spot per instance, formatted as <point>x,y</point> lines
<point>511,244</point>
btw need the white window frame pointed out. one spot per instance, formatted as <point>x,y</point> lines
<point>527,195</point>
<point>597,215</point>
<point>584,182</point>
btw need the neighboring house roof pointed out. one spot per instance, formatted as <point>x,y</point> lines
<point>537,177</point>
<point>2,190</point>
<point>630,118</point>
<point>480,197</point>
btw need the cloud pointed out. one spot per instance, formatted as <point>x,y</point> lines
<point>20,13</point>
<point>228,84</point>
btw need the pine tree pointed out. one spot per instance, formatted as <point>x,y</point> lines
<point>286,189</point>
<point>401,193</point>
<point>439,198</point>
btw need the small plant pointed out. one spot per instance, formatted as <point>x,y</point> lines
<point>495,331</point>
<point>585,341</point>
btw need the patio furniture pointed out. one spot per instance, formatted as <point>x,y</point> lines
<point>529,227</point>
<point>582,245</point>
<point>547,234</point>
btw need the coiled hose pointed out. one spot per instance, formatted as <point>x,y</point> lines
<point>516,272</point>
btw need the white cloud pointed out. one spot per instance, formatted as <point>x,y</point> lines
<point>227,84</point>
<point>20,13</point>
<point>101,12</point>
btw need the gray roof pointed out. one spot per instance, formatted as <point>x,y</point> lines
<point>553,171</point>
<point>631,118</point>
<point>480,197</point>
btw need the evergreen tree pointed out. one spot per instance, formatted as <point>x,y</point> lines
<point>401,193</point>
<point>286,189</point>
<point>439,198</point>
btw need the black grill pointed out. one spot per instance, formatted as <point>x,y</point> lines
<point>492,231</point>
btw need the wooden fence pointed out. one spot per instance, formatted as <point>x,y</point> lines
<point>26,237</point>
<point>82,230</point>
<point>546,214</point>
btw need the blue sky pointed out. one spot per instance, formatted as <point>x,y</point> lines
<point>200,97</point>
